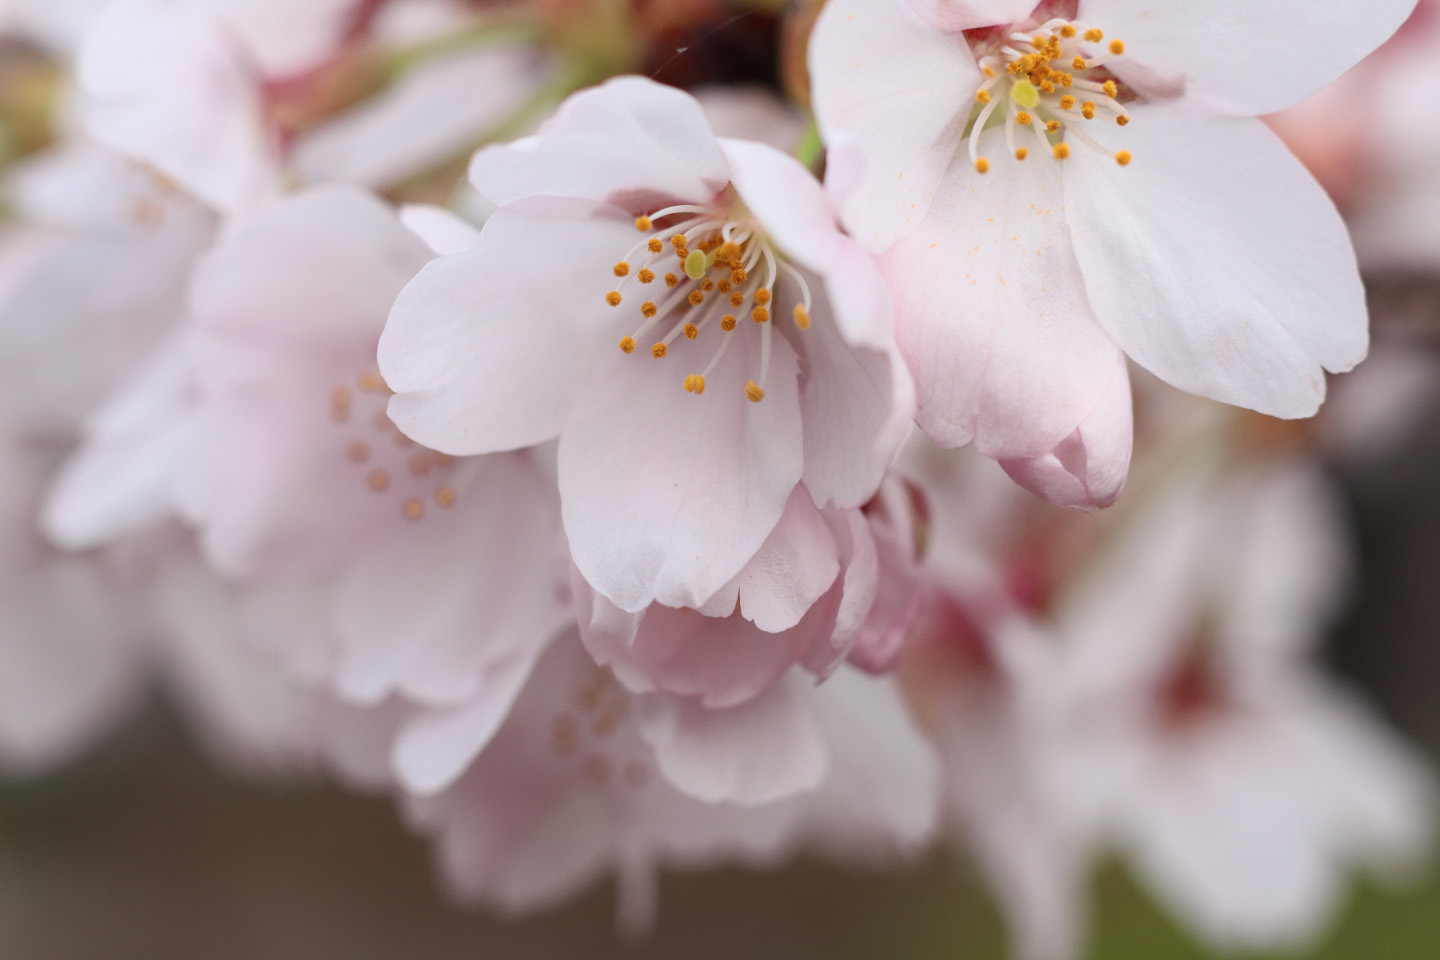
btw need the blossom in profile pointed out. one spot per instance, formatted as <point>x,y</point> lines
<point>684,313</point>
<point>1054,185</point>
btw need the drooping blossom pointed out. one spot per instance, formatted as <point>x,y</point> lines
<point>650,294</point>
<point>825,587</point>
<point>1054,184</point>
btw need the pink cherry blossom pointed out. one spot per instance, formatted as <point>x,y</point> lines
<point>1054,186</point>
<point>573,787</point>
<point>1202,741</point>
<point>371,566</point>
<point>673,382</point>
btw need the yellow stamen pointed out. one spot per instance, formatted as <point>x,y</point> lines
<point>414,509</point>
<point>671,280</point>
<point>1067,31</point>
<point>445,496</point>
<point>1078,63</point>
<point>982,96</point>
<point>696,297</point>
<point>1053,126</point>
<point>1061,150</point>
<point>613,298</point>
<point>378,480</point>
<point>621,269</point>
<point>1087,109</point>
<point>1123,158</point>
<point>643,224</point>
<point>659,350</point>
<point>1117,47</point>
<point>762,296</point>
<point>802,317</point>
<point>753,391</point>
<point>982,165</point>
<point>1122,120</point>
<point>1112,90</point>
<point>695,384</point>
<point>655,245</point>
<point>1021,153</point>
<point>1023,118</point>
<point>627,344</point>
<point>737,298</point>
<point>760,315</point>
<point>648,309</point>
<point>691,331</point>
<point>1094,36</point>
<point>646,276</point>
<point>727,323</point>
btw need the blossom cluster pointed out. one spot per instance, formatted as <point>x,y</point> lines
<point>420,394</point>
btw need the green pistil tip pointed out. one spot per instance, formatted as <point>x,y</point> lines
<point>1025,94</point>
<point>695,264</point>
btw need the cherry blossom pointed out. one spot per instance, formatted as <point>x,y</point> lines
<point>371,566</point>
<point>1053,186</point>
<point>1242,783</point>
<point>649,294</point>
<point>571,789</point>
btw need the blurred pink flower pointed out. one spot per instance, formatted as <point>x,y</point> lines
<point>1017,278</point>
<point>372,566</point>
<point>513,342</point>
<point>1201,739</point>
<point>578,783</point>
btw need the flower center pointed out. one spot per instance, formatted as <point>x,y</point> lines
<point>391,463</point>
<point>716,266</point>
<point>1054,83</point>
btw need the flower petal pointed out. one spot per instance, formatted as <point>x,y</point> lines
<point>487,349</point>
<point>891,96</point>
<point>1087,469</point>
<point>969,14</point>
<point>666,495</point>
<point>759,752</point>
<point>857,399</point>
<point>991,314</point>
<point>164,83</point>
<point>434,748</point>
<point>637,139</point>
<point>787,200</point>
<point>1230,54</point>
<point>440,606</point>
<point>1216,261</point>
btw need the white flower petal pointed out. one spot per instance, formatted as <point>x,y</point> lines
<point>1216,261</point>
<point>1234,55</point>
<point>991,315</point>
<point>891,95</point>
<point>487,349</point>
<point>627,138</point>
<point>666,495</point>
